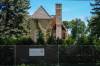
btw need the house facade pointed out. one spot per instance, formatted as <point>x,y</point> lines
<point>49,25</point>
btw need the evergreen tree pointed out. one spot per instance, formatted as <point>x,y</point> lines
<point>12,13</point>
<point>40,39</point>
<point>94,22</point>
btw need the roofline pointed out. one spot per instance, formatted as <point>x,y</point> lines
<point>43,9</point>
<point>41,18</point>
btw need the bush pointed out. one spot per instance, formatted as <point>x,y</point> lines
<point>59,41</point>
<point>17,41</point>
<point>51,40</point>
<point>24,41</point>
<point>8,41</point>
<point>69,41</point>
<point>40,39</point>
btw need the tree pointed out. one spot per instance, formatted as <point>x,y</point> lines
<point>77,27</point>
<point>94,22</point>
<point>12,14</point>
<point>66,24</point>
<point>40,39</point>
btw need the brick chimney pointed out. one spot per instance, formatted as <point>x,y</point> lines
<point>59,10</point>
<point>58,21</point>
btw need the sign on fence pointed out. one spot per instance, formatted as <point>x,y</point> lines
<point>36,51</point>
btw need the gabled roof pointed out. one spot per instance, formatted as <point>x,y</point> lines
<point>41,13</point>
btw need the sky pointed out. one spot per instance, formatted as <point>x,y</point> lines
<point>71,9</point>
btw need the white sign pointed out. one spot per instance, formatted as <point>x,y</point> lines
<point>36,51</point>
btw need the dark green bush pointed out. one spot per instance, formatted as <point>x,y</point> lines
<point>51,40</point>
<point>7,41</point>
<point>18,41</point>
<point>24,41</point>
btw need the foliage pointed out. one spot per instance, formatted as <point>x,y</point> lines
<point>94,22</point>
<point>94,27</point>
<point>12,13</point>
<point>77,28</point>
<point>83,40</point>
<point>96,42</point>
<point>96,7</point>
<point>69,41</point>
<point>24,41</point>
<point>18,41</point>
<point>7,41</point>
<point>66,24</point>
<point>40,39</point>
<point>59,41</point>
<point>22,65</point>
<point>51,40</point>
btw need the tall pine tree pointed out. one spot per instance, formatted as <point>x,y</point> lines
<point>94,22</point>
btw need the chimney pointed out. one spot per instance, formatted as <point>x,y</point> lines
<point>58,21</point>
<point>59,10</point>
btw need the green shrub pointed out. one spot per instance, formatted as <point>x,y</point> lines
<point>8,41</point>
<point>24,41</point>
<point>16,41</point>
<point>51,40</point>
<point>69,41</point>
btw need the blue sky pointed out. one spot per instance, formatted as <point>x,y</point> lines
<point>70,9</point>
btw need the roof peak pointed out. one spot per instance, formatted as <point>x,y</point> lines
<point>41,13</point>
